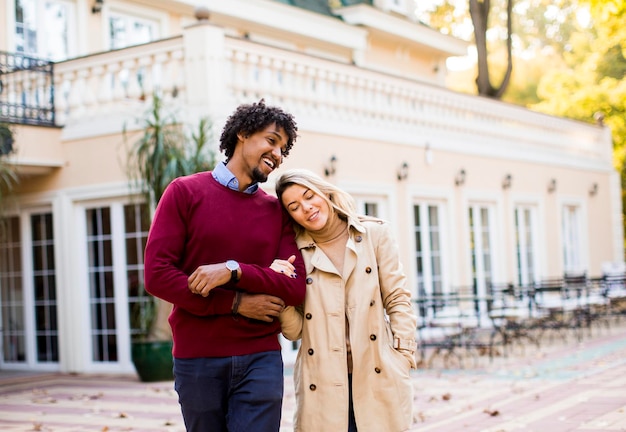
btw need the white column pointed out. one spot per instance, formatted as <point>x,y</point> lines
<point>204,65</point>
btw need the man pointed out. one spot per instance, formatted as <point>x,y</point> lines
<point>213,238</point>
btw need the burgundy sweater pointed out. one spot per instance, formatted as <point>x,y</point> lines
<point>198,221</point>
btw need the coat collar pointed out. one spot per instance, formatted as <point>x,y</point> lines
<point>318,258</point>
<point>305,241</point>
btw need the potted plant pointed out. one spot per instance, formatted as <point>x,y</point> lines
<point>151,355</point>
<point>8,177</point>
<point>163,152</point>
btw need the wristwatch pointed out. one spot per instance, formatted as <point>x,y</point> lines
<point>233,266</point>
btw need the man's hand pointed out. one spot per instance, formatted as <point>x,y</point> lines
<point>262,307</point>
<point>207,277</point>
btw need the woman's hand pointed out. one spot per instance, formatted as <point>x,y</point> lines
<point>285,266</point>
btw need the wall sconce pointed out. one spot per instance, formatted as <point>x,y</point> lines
<point>506,181</point>
<point>403,171</point>
<point>331,168</point>
<point>97,6</point>
<point>593,190</point>
<point>551,185</point>
<point>428,155</point>
<point>459,179</point>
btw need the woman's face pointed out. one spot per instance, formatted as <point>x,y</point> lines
<point>307,208</point>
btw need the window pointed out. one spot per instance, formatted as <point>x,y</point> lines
<point>572,261</point>
<point>12,302</point>
<point>428,249</point>
<point>28,302</point>
<point>370,205</point>
<point>44,284</point>
<point>136,226</point>
<point>116,239</point>
<point>127,30</point>
<point>525,244</point>
<point>43,28</point>
<point>480,220</point>
<point>101,288</point>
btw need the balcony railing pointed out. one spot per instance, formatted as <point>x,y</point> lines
<point>99,93</point>
<point>26,90</point>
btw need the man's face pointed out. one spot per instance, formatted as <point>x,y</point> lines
<point>262,152</point>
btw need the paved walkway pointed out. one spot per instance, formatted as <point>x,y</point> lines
<point>564,387</point>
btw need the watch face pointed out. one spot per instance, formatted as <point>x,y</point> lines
<point>232,265</point>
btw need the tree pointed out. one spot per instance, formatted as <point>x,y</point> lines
<point>592,84</point>
<point>573,53</point>
<point>479,12</point>
<point>162,153</point>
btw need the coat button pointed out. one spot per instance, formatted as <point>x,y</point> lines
<point>377,370</point>
<point>373,337</point>
<point>368,270</point>
<point>311,351</point>
<point>372,303</point>
<point>308,316</point>
<point>313,387</point>
<point>358,239</point>
<point>309,281</point>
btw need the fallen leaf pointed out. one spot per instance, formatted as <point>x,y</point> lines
<point>492,413</point>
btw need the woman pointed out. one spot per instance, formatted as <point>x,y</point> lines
<point>357,323</point>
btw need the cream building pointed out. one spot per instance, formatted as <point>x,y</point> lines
<point>477,190</point>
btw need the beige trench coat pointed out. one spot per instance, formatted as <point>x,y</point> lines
<point>383,344</point>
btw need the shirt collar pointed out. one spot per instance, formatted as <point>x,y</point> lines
<point>226,178</point>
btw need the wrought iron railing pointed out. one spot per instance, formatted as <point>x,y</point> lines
<point>26,90</point>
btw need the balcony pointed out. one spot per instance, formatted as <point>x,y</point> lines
<point>204,72</point>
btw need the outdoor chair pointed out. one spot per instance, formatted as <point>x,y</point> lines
<point>510,314</point>
<point>553,309</point>
<point>448,328</point>
<point>613,286</point>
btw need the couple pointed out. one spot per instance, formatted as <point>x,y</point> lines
<point>236,263</point>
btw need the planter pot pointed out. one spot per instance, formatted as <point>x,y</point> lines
<point>153,360</point>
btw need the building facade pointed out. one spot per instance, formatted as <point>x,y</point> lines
<point>478,191</point>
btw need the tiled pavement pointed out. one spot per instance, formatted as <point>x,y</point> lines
<point>563,387</point>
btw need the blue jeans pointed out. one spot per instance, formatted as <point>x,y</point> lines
<point>231,394</point>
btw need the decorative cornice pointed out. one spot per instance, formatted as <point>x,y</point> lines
<point>402,28</point>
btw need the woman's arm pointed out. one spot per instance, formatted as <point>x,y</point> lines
<point>291,322</point>
<point>396,296</point>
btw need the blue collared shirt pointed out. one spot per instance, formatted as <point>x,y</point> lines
<point>228,179</point>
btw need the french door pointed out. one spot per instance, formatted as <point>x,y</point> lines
<point>28,292</point>
<point>481,235</point>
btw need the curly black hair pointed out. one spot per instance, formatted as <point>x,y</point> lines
<point>249,119</point>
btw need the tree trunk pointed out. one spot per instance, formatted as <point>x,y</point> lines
<point>479,12</point>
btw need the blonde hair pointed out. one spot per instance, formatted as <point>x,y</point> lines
<point>338,200</point>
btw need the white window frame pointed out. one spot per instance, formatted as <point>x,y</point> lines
<point>424,205</point>
<point>40,26</point>
<point>521,258</point>
<point>115,8</point>
<point>575,257</point>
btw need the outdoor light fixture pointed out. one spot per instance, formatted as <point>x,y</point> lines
<point>506,182</point>
<point>459,180</point>
<point>552,185</point>
<point>403,171</point>
<point>593,189</point>
<point>428,155</point>
<point>331,168</point>
<point>97,6</point>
